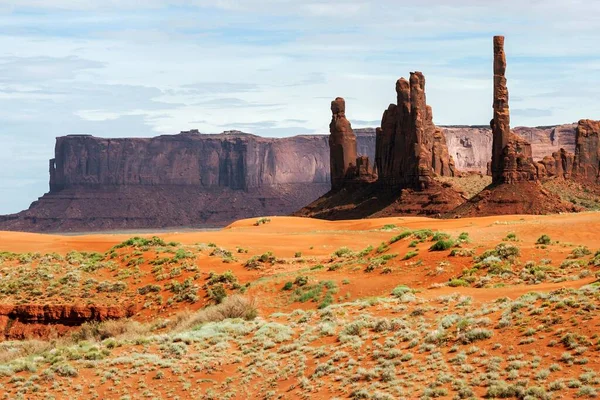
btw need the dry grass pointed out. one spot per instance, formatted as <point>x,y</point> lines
<point>232,307</point>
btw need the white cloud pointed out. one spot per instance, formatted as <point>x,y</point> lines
<point>134,68</point>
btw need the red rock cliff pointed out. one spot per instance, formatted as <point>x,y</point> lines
<point>410,149</point>
<point>188,179</point>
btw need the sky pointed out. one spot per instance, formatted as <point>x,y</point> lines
<point>135,68</point>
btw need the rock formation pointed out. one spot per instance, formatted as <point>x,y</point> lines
<point>184,180</point>
<point>512,157</point>
<point>471,146</point>
<point>515,186</point>
<point>410,149</point>
<point>345,167</point>
<point>582,166</point>
<point>586,163</point>
<point>500,124</point>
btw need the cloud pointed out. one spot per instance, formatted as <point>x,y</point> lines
<point>140,68</point>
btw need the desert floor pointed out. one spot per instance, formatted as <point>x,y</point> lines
<point>405,307</point>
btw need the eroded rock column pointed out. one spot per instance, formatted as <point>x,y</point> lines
<point>500,124</point>
<point>342,145</point>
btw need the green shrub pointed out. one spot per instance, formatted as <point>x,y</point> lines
<point>149,289</point>
<point>458,282</point>
<point>440,236</point>
<point>398,291</point>
<point>441,245</point>
<point>579,251</point>
<point>544,239</point>
<point>511,237</point>
<point>401,236</point>
<point>462,253</point>
<point>217,293</point>
<point>410,254</point>
<point>342,252</point>
<point>288,286</point>
<point>262,221</point>
<point>464,237</point>
<point>301,280</point>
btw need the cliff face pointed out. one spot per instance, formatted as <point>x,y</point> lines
<point>211,180</point>
<point>471,146</point>
<point>410,149</point>
<point>188,179</point>
<point>235,161</point>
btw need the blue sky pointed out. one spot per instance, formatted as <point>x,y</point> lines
<point>117,68</point>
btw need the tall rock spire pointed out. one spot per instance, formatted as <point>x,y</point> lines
<point>501,122</point>
<point>342,145</point>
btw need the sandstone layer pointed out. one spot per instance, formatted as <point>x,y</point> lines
<point>410,152</point>
<point>25,321</point>
<point>410,149</point>
<point>184,180</point>
<point>515,188</point>
<point>345,167</point>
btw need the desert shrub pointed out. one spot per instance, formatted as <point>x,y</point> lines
<point>462,253</point>
<point>544,239</point>
<point>297,254</point>
<point>506,251</point>
<point>257,262</point>
<point>457,283</point>
<point>225,277</point>
<point>440,236</point>
<point>262,221</point>
<point>148,289</point>
<point>342,252</point>
<point>579,251</point>
<point>442,244</point>
<point>388,227</point>
<point>410,254</point>
<point>301,280</point>
<point>117,328</point>
<point>137,241</point>
<point>401,236</point>
<point>187,291</point>
<point>235,306</point>
<point>111,287</point>
<point>477,334</point>
<point>288,286</point>
<point>464,237</point>
<point>503,390</point>
<point>217,293</point>
<point>382,248</point>
<point>398,291</point>
<point>423,234</point>
<point>595,261</point>
<point>511,237</point>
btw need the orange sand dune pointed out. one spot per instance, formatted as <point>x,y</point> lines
<point>286,235</point>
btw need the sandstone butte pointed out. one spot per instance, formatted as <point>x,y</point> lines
<point>410,152</point>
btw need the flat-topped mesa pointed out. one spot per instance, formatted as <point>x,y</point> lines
<point>512,159</point>
<point>410,149</point>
